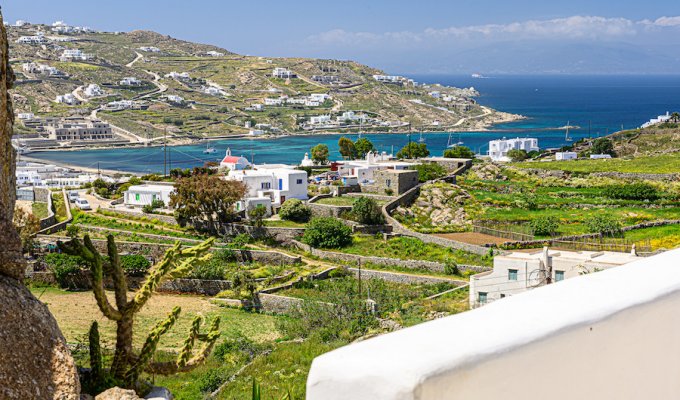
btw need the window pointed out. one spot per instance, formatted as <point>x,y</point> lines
<point>502,295</point>
<point>137,196</point>
<point>482,297</point>
<point>559,276</point>
<point>266,185</point>
<point>299,181</point>
<point>512,274</point>
<point>388,182</point>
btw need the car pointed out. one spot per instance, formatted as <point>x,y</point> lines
<point>82,204</point>
<point>73,196</point>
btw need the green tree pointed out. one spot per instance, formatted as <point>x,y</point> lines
<point>517,155</point>
<point>320,153</point>
<point>257,215</point>
<point>603,146</point>
<point>413,150</point>
<point>545,225</point>
<point>675,117</point>
<point>459,152</point>
<point>327,232</point>
<point>205,201</point>
<point>363,146</point>
<point>295,210</point>
<point>429,171</point>
<point>366,211</point>
<point>347,149</point>
<point>127,364</point>
<point>604,224</point>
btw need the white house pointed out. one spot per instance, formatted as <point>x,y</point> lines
<point>276,184</point>
<point>93,90</point>
<point>142,195</point>
<point>67,98</point>
<point>283,73</point>
<point>256,132</point>
<point>178,75</point>
<point>172,98</point>
<point>74,54</point>
<point>213,53</point>
<point>364,169</point>
<point>320,119</point>
<point>498,149</point>
<point>517,272</point>
<point>600,156</point>
<point>306,162</point>
<point>37,39</point>
<point>150,49</point>
<point>566,155</point>
<point>234,163</point>
<point>130,81</point>
<point>349,116</point>
<point>273,102</point>
<point>320,97</point>
<point>435,94</point>
<point>657,120</point>
<point>26,115</point>
<point>20,23</point>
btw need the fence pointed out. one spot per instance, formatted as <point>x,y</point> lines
<point>515,232</point>
<point>604,244</point>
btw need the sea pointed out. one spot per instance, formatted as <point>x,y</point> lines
<point>597,105</point>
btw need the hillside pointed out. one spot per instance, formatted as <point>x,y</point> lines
<point>224,93</point>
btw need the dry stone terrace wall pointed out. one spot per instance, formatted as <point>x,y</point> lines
<point>279,234</point>
<point>44,195</point>
<point>388,262</point>
<point>169,219</point>
<point>402,278</point>
<point>325,210</point>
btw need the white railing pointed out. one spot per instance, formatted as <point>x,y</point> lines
<point>613,334</point>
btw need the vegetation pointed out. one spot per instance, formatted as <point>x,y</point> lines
<point>127,366</point>
<point>347,149</point>
<point>27,225</point>
<point>545,225</point>
<point>205,201</point>
<point>459,152</point>
<point>365,210</point>
<point>603,146</point>
<point>604,224</point>
<point>320,153</point>
<point>517,155</point>
<point>658,164</point>
<point>295,210</point>
<point>414,150</point>
<point>430,171</point>
<point>634,191</point>
<point>327,232</point>
<point>363,146</point>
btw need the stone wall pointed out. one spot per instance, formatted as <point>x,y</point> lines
<point>279,234</point>
<point>44,195</point>
<point>163,218</point>
<point>402,278</point>
<point>326,210</point>
<point>276,304</point>
<point>388,262</point>
<point>59,226</point>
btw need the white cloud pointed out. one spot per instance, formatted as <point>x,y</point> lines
<point>574,27</point>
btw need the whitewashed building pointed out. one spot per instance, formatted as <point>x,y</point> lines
<point>93,90</point>
<point>25,115</point>
<point>142,195</point>
<point>234,163</point>
<point>658,120</point>
<point>271,187</point>
<point>172,98</point>
<point>566,155</point>
<point>149,49</point>
<point>319,119</point>
<point>213,53</point>
<point>600,156</point>
<point>498,149</point>
<point>36,39</point>
<point>67,98</point>
<point>283,73</point>
<point>517,272</point>
<point>364,169</point>
<point>74,55</point>
<point>130,81</point>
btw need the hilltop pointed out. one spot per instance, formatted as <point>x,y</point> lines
<point>196,91</point>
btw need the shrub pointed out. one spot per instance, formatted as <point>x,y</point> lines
<point>604,224</point>
<point>517,155</point>
<point>72,231</point>
<point>635,191</point>
<point>603,146</point>
<point>544,225</point>
<point>211,380</point>
<point>327,232</point>
<point>295,210</point>
<point>210,270</point>
<point>389,191</point>
<point>135,264</point>
<point>459,152</point>
<point>325,190</point>
<point>64,268</point>
<point>451,268</point>
<point>256,216</point>
<point>429,171</point>
<point>366,211</point>
<point>414,150</point>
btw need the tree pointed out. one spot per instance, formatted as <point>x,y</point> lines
<point>675,117</point>
<point>206,201</point>
<point>366,211</point>
<point>603,146</point>
<point>517,155</point>
<point>363,146</point>
<point>327,232</point>
<point>295,210</point>
<point>320,153</point>
<point>604,224</point>
<point>545,225</point>
<point>127,365</point>
<point>347,149</point>
<point>429,171</point>
<point>459,152</point>
<point>257,215</point>
<point>414,150</point>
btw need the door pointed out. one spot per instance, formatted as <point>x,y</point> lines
<point>280,184</point>
<point>283,199</point>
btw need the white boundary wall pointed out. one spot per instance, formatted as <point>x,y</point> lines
<point>613,334</point>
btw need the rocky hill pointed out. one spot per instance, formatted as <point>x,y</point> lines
<point>222,93</point>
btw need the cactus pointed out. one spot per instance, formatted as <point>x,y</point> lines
<point>128,365</point>
<point>95,355</point>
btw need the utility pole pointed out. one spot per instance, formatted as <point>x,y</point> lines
<point>165,152</point>
<point>409,140</point>
<point>99,171</point>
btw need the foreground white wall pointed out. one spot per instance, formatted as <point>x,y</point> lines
<point>609,335</point>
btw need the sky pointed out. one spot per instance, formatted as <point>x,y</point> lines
<point>409,37</point>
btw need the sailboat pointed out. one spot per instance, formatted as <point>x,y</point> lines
<point>421,139</point>
<point>208,149</point>
<point>451,144</point>
<point>566,135</point>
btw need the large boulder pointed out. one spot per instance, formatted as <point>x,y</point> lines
<point>34,360</point>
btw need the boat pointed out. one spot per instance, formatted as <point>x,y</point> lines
<point>421,139</point>
<point>478,76</point>
<point>450,145</point>
<point>566,135</point>
<point>208,149</point>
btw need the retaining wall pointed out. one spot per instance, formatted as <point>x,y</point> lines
<point>60,225</point>
<point>44,195</point>
<point>278,234</point>
<point>164,218</point>
<point>401,278</point>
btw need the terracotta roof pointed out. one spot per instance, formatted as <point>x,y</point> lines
<point>230,160</point>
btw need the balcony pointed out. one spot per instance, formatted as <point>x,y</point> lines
<point>613,334</point>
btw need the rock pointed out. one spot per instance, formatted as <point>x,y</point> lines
<point>117,393</point>
<point>35,362</point>
<point>159,393</point>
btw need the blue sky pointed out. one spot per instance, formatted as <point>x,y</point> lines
<point>455,36</point>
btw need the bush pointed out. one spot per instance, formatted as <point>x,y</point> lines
<point>604,224</point>
<point>211,380</point>
<point>429,171</point>
<point>135,264</point>
<point>635,191</point>
<point>328,233</point>
<point>451,268</point>
<point>459,152</point>
<point>544,225</point>
<point>64,268</point>
<point>295,210</point>
<point>517,155</point>
<point>366,211</point>
<point>414,150</point>
<point>389,191</point>
<point>603,146</point>
<point>210,270</point>
<point>256,216</point>
<point>72,231</point>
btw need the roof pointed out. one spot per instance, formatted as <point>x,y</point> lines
<point>151,188</point>
<point>232,159</point>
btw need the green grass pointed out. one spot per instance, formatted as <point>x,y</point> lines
<point>282,223</point>
<point>83,218</point>
<point>661,164</point>
<point>59,206</point>
<point>39,209</point>
<point>407,248</point>
<point>660,237</point>
<point>337,201</point>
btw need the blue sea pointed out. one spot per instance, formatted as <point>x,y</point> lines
<point>597,104</point>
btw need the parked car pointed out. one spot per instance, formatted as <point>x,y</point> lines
<point>73,196</point>
<point>82,204</point>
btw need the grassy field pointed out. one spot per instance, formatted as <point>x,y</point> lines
<point>59,206</point>
<point>662,164</point>
<point>39,209</point>
<point>660,237</point>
